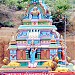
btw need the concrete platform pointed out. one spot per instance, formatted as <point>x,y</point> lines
<point>25,69</point>
<point>31,71</point>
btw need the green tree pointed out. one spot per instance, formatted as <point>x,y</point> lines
<point>20,4</point>
<point>61,5</point>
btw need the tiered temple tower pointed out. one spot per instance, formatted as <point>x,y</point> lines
<point>37,31</point>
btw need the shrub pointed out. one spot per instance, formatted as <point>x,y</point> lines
<point>9,24</point>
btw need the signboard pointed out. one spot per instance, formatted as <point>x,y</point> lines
<point>41,73</point>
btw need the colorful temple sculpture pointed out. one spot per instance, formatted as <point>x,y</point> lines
<point>37,34</point>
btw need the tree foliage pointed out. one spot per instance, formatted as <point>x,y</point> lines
<point>61,5</point>
<point>55,4</point>
<point>19,4</point>
<point>58,9</point>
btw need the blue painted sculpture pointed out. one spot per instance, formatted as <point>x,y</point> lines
<point>32,56</point>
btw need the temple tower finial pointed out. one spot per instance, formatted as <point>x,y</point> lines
<point>36,1</point>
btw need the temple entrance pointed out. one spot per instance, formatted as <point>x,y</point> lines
<point>37,55</point>
<point>30,51</point>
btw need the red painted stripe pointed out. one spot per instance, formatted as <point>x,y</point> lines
<point>49,73</point>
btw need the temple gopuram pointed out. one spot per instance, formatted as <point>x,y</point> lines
<point>38,32</point>
<point>37,48</point>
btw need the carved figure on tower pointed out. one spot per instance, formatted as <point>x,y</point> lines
<point>35,13</point>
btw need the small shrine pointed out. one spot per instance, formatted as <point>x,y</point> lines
<point>37,40</point>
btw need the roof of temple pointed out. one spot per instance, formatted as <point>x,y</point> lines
<point>22,27</point>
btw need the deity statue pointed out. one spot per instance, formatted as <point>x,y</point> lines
<point>32,62</point>
<point>35,13</point>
